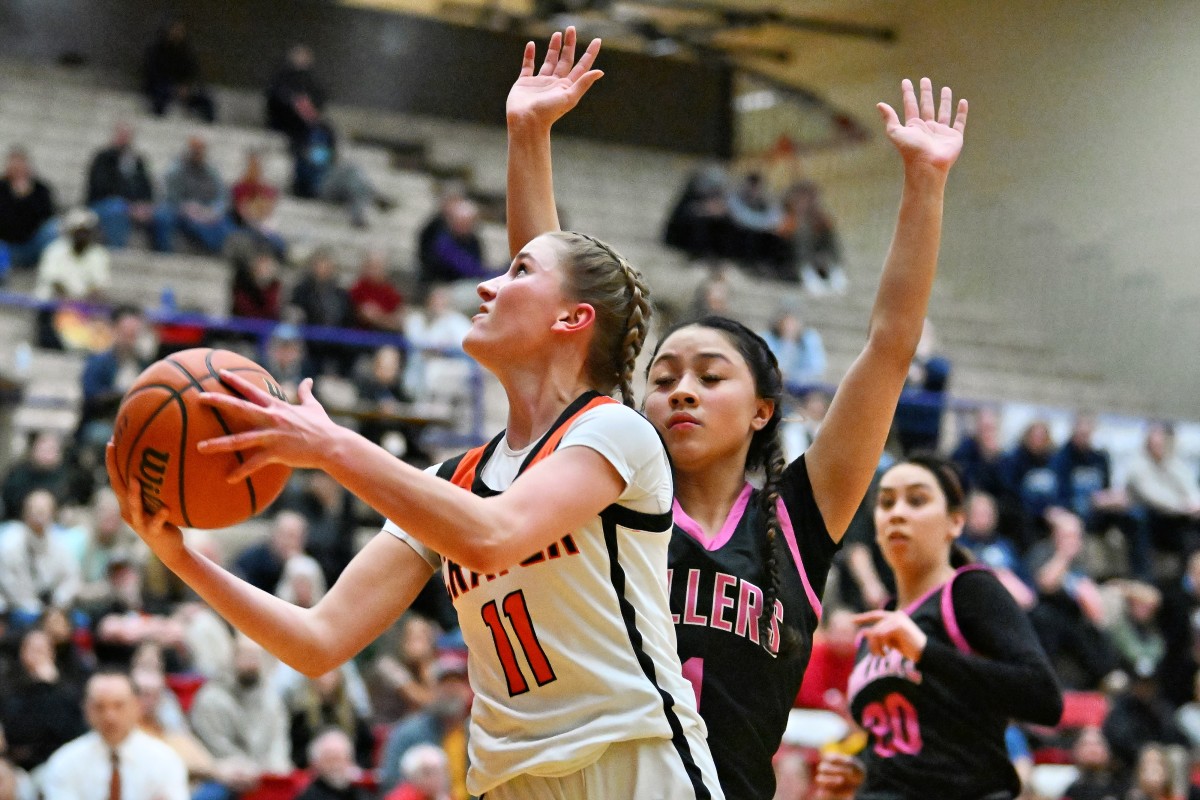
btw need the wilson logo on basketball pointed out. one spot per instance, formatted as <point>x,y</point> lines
<point>151,471</point>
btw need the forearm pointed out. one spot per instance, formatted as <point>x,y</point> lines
<point>288,632</point>
<point>909,269</point>
<point>530,201</point>
<point>467,529</point>
<point>1050,576</point>
<point>1025,690</point>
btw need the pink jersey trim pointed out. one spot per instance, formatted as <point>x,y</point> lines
<point>693,529</point>
<point>785,524</point>
<point>948,616</point>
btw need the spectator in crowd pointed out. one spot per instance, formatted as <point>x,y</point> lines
<point>1099,778</point>
<point>1085,487</point>
<point>923,401</point>
<point>1187,717</point>
<point>302,583</point>
<point>27,223</point>
<point>207,638</point>
<point>43,468</point>
<point>441,723</point>
<point>699,223</point>
<point>257,288</point>
<point>126,624</point>
<point>1134,628</point>
<point>292,83</point>
<point>286,358</point>
<point>73,658</point>
<point>41,711</point>
<point>827,674</point>
<point>322,300</point>
<point>1070,609</point>
<point>382,391</point>
<point>757,219</point>
<point>332,757</point>
<point>982,539</point>
<point>37,568</point>
<point>119,188</point>
<point>1168,492</point>
<point>172,74</point>
<point>322,174</point>
<point>1139,716</point>
<point>401,677</point>
<point>376,302</point>
<point>261,564</point>
<point>456,252</point>
<point>195,202</point>
<point>713,296</point>
<point>75,266</point>
<point>254,201</point>
<point>425,771</point>
<point>1180,618</point>
<point>979,455</point>
<point>799,432</point>
<point>115,754</point>
<point>450,194</point>
<point>109,542</point>
<point>816,251</point>
<point>320,704</point>
<point>798,347</point>
<point>241,716</point>
<point>436,370</point>
<point>1157,776</point>
<point>1031,478</point>
<point>108,375</point>
<point>325,505</point>
<point>209,778</point>
<point>15,783</point>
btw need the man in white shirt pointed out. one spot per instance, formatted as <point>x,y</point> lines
<point>116,760</point>
<point>75,266</point>
<point>37,568</point>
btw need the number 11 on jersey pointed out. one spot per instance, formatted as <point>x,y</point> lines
<point>517,612</point>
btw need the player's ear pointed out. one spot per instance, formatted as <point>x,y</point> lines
<point>575,318</point>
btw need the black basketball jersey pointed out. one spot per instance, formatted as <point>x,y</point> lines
<point>930,736</point>
<point>745,690</point>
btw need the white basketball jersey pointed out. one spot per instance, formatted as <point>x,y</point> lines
<point>573,649</point>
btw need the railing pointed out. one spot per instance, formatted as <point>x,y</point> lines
<point>261,330</point>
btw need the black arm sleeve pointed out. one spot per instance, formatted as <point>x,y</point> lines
<point>1008,670</point>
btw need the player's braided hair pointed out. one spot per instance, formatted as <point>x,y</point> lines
<point>765,454</point>
<point>600,276</point>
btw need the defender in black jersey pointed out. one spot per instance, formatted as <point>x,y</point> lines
<point>748,565</point>
<point>745,675</point>
<point>937,681</point>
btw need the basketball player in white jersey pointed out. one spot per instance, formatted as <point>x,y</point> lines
<point>552,539</point>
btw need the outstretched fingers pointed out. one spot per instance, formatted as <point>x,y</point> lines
<point>239,441</point>
<point>909,100</point>
<point>566,56</point>
<point>552,55</point>
<point>585,61</point>
<point>945,106</point>
<point>960,119</point>
<point>927,99</point>
<point>528,60</point>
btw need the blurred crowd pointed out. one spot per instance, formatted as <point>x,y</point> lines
<point>789,237</point>
<point>105,655</point>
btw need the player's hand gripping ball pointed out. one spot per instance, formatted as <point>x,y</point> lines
<point>158,425</point>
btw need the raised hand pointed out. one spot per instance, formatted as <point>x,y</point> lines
<point>892,630</point>
<point>923,138</point>
<point>300,435</point>
<point>556,88</point>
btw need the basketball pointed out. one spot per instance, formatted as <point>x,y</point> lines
<point>160,422</point>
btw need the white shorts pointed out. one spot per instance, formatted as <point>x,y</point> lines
<point>639,769</point>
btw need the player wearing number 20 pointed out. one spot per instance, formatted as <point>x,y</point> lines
<point>937,681</point>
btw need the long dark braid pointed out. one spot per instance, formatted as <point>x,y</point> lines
<point>766,453</point>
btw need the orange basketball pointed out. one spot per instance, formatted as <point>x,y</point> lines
<point>158,426</point>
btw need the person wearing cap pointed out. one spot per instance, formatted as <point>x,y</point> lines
<point>75,266</point>
<point>442,723</point>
